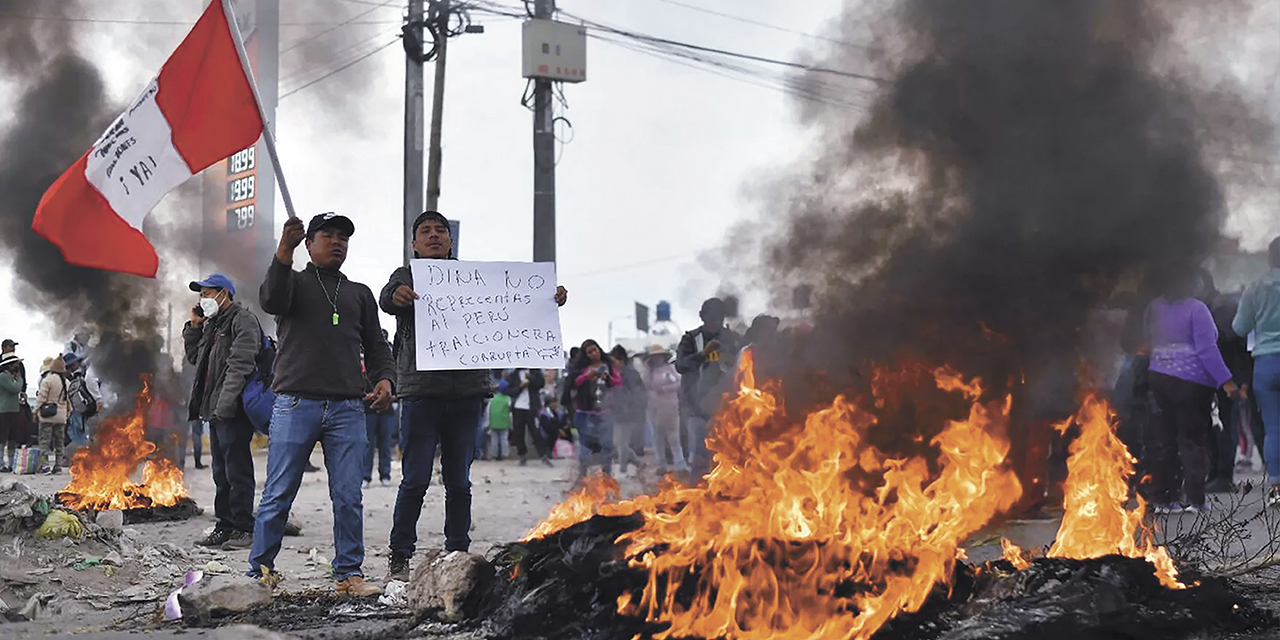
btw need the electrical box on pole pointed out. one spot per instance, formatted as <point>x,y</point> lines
<point>555,51</point>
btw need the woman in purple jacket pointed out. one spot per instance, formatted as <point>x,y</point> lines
<point>1186,370</point>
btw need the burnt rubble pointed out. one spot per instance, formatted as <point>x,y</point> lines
<point>566,586</point>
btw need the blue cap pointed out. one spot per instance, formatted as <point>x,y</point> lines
<point>69,359</point>
<point>215,281</point>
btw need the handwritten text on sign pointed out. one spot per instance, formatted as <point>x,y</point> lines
<point>486,315</point>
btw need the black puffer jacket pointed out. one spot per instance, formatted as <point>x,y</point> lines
<point>223,350</point>
<point>426,384</point>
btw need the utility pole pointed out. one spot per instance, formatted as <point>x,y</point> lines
<point>544,159</point>
<point>439,17</point>
<point>413,116</point>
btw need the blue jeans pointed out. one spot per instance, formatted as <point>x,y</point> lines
<point>595,441</point>
<point>699,457</point>
<point>428,423</point>
<point>75,429</point>
<point>1266,384</point>
<point>296,425</point>
<point>380,427</point>
<point>197,438</point>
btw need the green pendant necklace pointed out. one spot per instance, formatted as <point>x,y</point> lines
<point>334,300</point>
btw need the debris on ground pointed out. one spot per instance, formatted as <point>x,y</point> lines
<point>396,594</point>
<point>112,522</point>
<point>61,524</point>
<point>217,596</point>
<point>580,573</point>
<point>449,584</point>
<point>20,507</point>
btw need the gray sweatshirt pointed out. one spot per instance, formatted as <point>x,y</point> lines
<point>317,359</point>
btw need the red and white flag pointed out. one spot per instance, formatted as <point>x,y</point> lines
<point>200,109</point>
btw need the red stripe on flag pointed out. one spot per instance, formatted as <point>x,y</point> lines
<point>205,95</point>
<point>76,218</point>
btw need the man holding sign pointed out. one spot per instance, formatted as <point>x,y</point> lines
<point>455,321</point>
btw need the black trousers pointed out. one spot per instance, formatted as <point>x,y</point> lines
<point>1178,440</point>
<point>232,463</point>
<point>525,421</point>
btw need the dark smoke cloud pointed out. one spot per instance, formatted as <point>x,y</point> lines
<point>1022,159</point>
<point>310,50</point>
<point>59,110</point>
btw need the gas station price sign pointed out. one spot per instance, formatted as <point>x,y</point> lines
<point>242,178</point>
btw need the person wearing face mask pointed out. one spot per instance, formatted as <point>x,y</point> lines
<point>222,340</point>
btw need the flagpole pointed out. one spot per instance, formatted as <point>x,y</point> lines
<point>267,137</point>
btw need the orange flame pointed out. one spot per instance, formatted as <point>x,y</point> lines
<point>101,474</point>
<point>1097,522</point>
<point>1014,554</point>
<point>779,526</point>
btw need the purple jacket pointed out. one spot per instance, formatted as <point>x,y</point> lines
<point>1184,342</point>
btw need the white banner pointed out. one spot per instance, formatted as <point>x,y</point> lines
<point>486,315</point>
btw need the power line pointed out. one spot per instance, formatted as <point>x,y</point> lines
<point>339,69</point>
<point>509,11</point>
<point>337,57</point>
<point>731,54</point>
<point>344,23</point>
<point>771,26</point>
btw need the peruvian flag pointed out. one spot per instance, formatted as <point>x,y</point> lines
<point>200,109</point>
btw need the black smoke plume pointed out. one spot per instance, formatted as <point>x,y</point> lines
<point>1021,159</point>
<point>59,109</point>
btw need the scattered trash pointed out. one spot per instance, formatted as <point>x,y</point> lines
<point>109,571</point>
<point>216,596</point>
<point>213,566</point>
<point>113,558</point>
<point>37,607</point>
<point>111,521</point>
<point>19,506</point>
<point>314,557</point>
<point>395,595</point>
<point>86,563</point>
<point>61,524</point>
<point>172,608</point>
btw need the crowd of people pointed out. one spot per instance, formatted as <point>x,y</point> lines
<point>1200,386</point>
<point>40,433</point>
<point>339,382</point>
<point>1195,359</point>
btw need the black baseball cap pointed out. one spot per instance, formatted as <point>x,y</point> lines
<point>8,342</point>
<point>331,220</point>
<point>430,215</point>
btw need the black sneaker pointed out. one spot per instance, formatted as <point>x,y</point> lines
<point>310,468</point>
<point>398,567</point>
<point>218,538</point>
<point>238,540</point>
<point>546,462</point>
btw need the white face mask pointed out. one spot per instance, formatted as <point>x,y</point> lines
<point>209,306</point>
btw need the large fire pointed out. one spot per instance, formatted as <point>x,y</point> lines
<point>786,539</point>
<point>102,473</point>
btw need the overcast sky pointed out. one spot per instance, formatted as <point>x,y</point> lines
<point>658,164</point>
<point>662,158</point>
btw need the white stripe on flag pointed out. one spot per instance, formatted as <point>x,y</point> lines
<point>134,164</point>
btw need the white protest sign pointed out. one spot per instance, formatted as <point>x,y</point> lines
<point>486,315</point>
